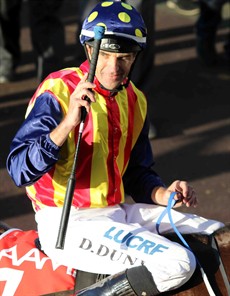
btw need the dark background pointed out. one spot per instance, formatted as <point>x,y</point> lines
<point>189,103</point>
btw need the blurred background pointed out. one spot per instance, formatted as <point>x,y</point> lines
<point>189,105</point>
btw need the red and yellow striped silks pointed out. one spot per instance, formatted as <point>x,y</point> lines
<point>111,129</point>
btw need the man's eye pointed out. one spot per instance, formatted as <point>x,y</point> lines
<point>126,58</point>
<point>102,53</point>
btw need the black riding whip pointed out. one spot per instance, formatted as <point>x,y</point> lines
<point>98,35</point>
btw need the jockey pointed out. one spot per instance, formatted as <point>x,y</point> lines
<point>105,234</point>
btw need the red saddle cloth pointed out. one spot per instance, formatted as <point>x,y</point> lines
<point>25,270</point>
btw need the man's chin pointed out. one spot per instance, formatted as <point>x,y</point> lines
<point>112,86</point>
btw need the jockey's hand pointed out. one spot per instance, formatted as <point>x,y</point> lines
<point>185,194</point>
<point>73,115</point>
<point>77,100</point>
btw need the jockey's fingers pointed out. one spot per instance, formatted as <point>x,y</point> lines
<point>187,196</point>
<point>84,103</point>
<point>191,200</point>
<point>89,94</point>
<point>181,187</point>
<point>82,95</point>
<point>184,188</point>
<point>83,89</point>
<point>82,86</point>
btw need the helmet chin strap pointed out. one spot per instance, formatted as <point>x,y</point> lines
<point>119,88</point>
<point>115,90</point>
<point>131,69</point>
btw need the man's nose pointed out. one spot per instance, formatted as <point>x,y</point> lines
<point>114,63</point>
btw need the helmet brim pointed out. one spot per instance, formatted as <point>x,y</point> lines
<point>117,44</point>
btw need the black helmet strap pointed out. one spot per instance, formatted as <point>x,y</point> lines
<point>117,44</point>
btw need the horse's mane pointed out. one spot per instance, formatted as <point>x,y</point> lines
<point>222,235</point>
<point>4,227</point>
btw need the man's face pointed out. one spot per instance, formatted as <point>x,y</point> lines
<point>112,68</point>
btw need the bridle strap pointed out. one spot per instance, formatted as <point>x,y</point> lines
<point>214,245</point>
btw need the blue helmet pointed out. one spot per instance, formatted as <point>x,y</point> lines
<point>125,30</point>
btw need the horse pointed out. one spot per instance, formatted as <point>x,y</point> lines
<point>212,253</point>
<point>213,257</point>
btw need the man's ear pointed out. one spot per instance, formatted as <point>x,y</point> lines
<point>89,51</point>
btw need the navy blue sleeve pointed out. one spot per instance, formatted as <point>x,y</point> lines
<point>140,178</point>
<point>32,152</point>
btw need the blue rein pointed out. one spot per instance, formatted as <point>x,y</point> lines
<point>167,211</point>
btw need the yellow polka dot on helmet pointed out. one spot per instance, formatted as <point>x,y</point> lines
<point>124,17</point>
<point>119,19</point>
<point>92,16</point>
